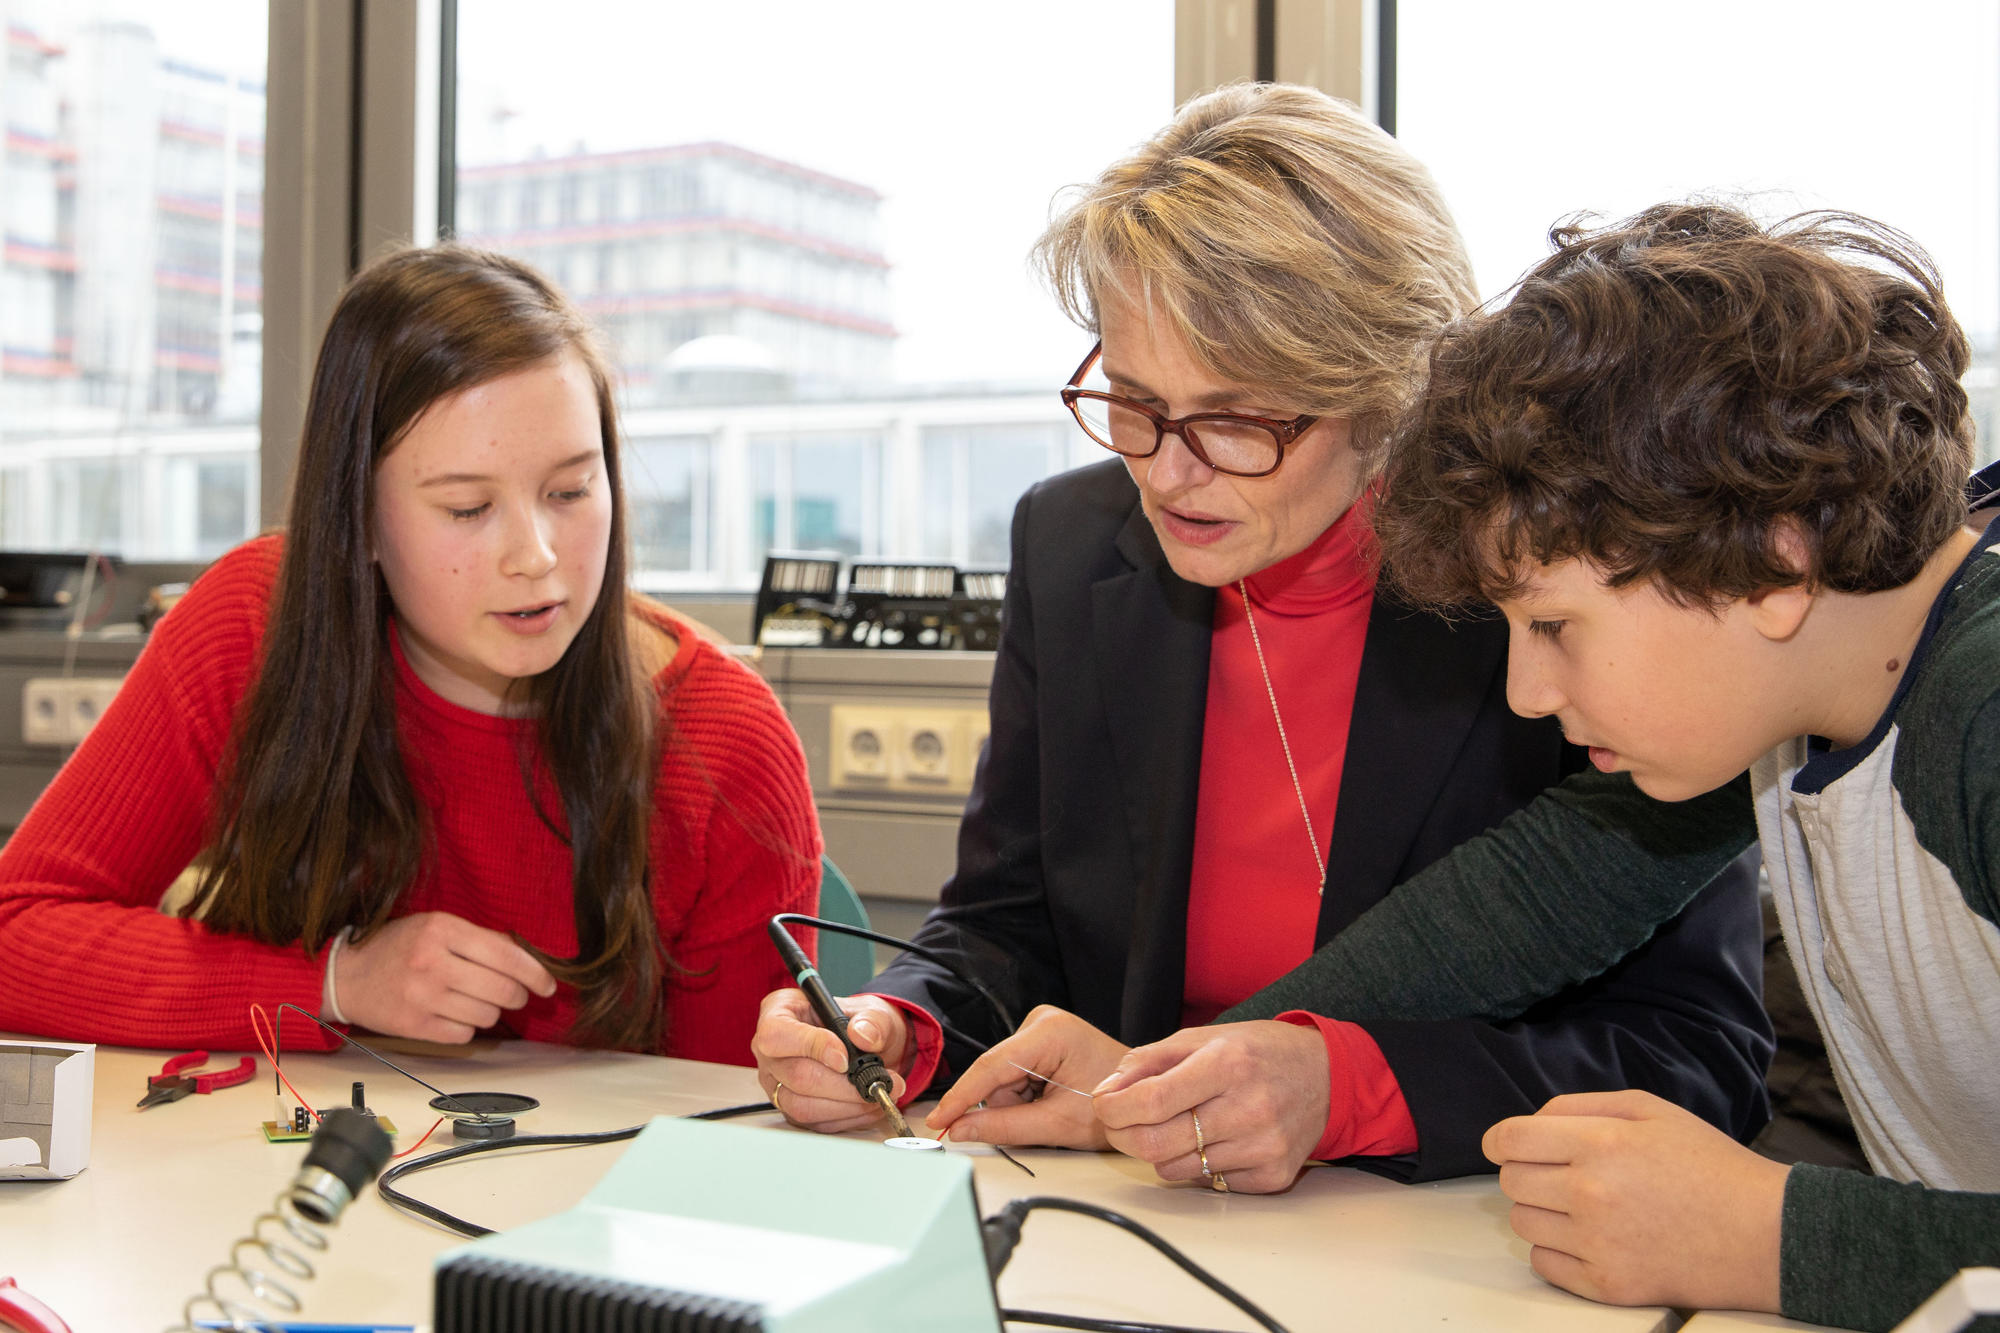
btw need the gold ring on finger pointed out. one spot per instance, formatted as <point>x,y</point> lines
<point>1216,1182</point>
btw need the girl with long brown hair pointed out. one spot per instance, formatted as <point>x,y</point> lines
<point>444,771</point>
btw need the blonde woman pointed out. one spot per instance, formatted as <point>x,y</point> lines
<point>1215,742</point>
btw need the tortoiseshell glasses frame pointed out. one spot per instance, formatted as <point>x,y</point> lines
<point>1241,441</point>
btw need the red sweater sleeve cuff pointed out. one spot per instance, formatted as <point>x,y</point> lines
<point>1366,1115</point>
<point>925,1051</point>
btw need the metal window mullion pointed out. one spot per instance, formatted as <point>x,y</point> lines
<point>307,216</point>
<point>1333,45</point>
<point>352,153</point>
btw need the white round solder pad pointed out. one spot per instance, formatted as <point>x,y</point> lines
<point>914,1144</point>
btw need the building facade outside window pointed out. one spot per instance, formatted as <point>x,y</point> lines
<point>131,202</point>
<point>812,278</point>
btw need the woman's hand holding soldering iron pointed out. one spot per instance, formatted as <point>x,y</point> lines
<point>802,1067</point>
<point>1035,1086</point>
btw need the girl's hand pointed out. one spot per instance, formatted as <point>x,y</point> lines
<point>435,977</point>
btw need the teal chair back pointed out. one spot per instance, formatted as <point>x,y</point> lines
<point>846,964</point>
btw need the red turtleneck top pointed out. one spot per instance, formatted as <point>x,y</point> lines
<point>1253,897</point>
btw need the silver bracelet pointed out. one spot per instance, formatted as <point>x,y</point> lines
<point>328,1003</point>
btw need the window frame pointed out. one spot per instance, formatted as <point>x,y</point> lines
<point>360,155</point>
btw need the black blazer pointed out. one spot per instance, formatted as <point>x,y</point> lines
<point>1075,851</point>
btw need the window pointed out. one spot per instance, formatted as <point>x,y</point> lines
<point>667,490</point>
<point>806,259</point>
<point>1526,115</point>
<point>224,494</point>
<point>131,201</point>
<point>818,492</point>
<point>972,476</point>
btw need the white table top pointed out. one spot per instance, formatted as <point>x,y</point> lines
<point>1737,1321</point>
<point>123,1245</point>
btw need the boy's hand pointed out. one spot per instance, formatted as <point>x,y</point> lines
<point>1261,1090</point>
<point>1629,1199</point>
<point>435,977</point>
<point>1060,1047</point>
<point>803,1068</point>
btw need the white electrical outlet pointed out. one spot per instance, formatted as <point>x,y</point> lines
<point>45,712</point>
<point>860,747</point>
<point>882,747</point>
<point>59,710</point>
<point>928,742</point>
<point>89,697</point>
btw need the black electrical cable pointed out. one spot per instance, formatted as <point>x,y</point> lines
<point>950,1033</point>
<point>1003,1233</point>
<point>395,1198</point>
<point>1085,1321</point>
<point>386,1186</point>
<point>278,1051</point>
<point>1007,1023</point>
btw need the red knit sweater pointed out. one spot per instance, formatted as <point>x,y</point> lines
<point>86,955</point>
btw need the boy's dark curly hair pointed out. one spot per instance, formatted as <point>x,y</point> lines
<point>1664,396</point>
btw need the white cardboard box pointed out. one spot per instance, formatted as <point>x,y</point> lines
<point>45,1095</point>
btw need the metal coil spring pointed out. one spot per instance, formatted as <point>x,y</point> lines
<point>266,1292</point>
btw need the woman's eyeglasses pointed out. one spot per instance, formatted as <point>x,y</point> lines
<point>1229,442</point>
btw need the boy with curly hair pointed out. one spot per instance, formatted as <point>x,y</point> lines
<point>1715,477</point>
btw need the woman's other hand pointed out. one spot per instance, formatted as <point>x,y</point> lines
<point>435,977</point>
<point>1260,1089</point>
<point>1017,1080</point>
<point>802,1067</point>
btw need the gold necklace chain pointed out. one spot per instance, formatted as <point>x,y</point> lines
<point>1298,788</point>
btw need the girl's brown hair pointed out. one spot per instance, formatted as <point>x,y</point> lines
<point>316,825</point>
<point>1293,246</point>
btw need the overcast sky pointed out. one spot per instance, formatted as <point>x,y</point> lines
<point>969,117</point>
<point>1529,109</point>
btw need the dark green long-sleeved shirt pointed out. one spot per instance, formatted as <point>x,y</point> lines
<point>1884,860</point>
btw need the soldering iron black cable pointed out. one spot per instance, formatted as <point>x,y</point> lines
<point>1008,1220</point>
<point>1093,1323</point>
<point>1010,1217</point>
<point>1005,1227</point>
<point>911,946</point>
<point>1007,1023</point>
<point>395,1197</point>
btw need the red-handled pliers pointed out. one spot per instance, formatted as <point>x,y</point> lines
<point>173,1082</point>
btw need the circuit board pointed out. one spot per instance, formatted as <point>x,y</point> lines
<point>278,1133</point>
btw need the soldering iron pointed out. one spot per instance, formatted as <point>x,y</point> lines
<point>865,1070</point>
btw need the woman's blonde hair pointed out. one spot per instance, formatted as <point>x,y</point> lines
<point>1295,247</point>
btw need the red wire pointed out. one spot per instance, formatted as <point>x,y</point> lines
<point>105,579</point>
<point>264,1044</point>
<point>420,1142</point>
